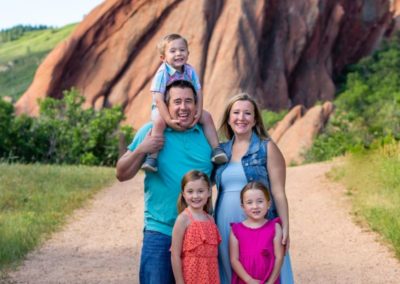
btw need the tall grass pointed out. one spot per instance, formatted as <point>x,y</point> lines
<point>373,182</point>
<point>36,199</point>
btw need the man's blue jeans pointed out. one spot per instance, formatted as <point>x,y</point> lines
<point>155,261</point>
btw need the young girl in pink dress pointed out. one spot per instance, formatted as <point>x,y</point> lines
<point>256,250</point>
<point>195,237</point>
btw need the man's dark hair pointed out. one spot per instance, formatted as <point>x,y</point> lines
<point>183,84</point>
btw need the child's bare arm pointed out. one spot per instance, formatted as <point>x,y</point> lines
<point>164,113</point>
<point>176,247</point>
<point>199,108</point>
<point>236,265</point>
<point>279,251</point>
<point>199,103</point>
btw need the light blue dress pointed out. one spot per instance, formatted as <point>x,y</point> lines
<point>233,179</point>
<point>229,211</point>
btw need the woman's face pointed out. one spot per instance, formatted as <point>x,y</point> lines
<point>241,117</point>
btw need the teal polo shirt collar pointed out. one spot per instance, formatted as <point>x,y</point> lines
<point>194,128</point>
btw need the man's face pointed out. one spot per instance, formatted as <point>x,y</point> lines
<point>182,105</point>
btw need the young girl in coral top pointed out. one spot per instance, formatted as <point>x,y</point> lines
<point>255,246</point>
<point>195,237</point>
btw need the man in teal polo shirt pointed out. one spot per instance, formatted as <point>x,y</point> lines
<point>180,152</point>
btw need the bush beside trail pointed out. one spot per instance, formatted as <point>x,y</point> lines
<point>367,106</point>
<point>64,133</point>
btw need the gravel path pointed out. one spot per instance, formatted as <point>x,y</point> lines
<point>101,243</point>
<point>326,246</point>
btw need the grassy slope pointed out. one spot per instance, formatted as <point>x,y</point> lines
<point>372,179</point>
<point>36,199</point>
<point>25,55</point>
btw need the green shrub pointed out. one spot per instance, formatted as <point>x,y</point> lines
<point>341,134</point>
<point>64,133</point>
<point>367,107</point>
<point>6,118</point>
<point>270,118</point>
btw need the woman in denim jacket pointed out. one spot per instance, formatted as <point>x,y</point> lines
<point>252,157</point>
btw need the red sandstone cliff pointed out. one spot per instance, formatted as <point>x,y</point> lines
<point>283,51</point>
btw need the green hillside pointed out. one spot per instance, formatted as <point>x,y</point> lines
<point>20,58</point>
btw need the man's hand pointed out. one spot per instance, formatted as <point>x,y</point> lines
<point>130,162</point>
<point>151,143</point>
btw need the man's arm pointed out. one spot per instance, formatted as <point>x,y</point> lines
<point>129,164</point>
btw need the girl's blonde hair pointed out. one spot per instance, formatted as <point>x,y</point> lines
<point>255,185</point>
<point>167,39</point>
<point>226,130</point>
<point>193,176</point>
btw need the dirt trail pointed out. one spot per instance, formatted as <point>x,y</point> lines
<point>101,243</point>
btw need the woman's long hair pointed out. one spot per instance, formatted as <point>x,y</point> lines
<point>226,130</point>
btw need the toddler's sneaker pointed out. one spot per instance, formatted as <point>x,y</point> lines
<point>219,156</point>
<point>150,164</point>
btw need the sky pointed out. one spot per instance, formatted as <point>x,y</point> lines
<point>55,13</point>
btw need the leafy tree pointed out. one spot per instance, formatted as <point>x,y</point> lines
<point>65,133</point>
<point>18,31</point>
<point>368,105</point>
<point>6,118</point>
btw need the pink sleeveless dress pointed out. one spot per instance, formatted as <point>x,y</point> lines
<point>256,250</point>
<point>200,251</point>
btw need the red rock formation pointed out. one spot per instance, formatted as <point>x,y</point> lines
<point>282,126</point>
<point>395,8</point>
<point>297,139</point>
<point>285,52</point>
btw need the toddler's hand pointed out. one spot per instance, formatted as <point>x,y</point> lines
<point>195,120</point>
<point>174,124</point>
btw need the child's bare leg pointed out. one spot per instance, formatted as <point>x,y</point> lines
<point>218,155</point>
<point>159,126</point>
<point>209,129</point>
<point>150,163</point>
